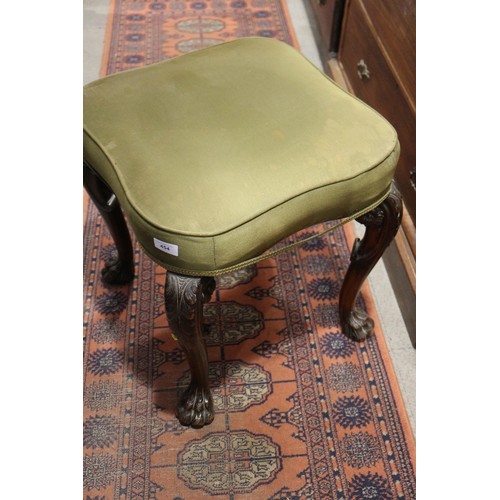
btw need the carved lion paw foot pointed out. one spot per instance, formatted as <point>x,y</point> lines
<point>195,407</point>
<point>116,273</point>
<point>358,325</point>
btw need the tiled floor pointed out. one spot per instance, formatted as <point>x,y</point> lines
<point>402,352</point>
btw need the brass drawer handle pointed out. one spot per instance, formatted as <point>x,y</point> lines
<point>363,71</point>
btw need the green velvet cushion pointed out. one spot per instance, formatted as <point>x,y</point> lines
<point>225,151</point>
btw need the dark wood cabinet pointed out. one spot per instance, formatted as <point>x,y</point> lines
<point>377,56</point>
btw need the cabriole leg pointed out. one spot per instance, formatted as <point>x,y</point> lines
<point>121,269</point>
<point>184,299</point>
<point>382,224</point>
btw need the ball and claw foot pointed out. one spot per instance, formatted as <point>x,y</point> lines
<point>358,325</point>
<point>195,407</point>
<point>115,272</point>
<point>382,224</point>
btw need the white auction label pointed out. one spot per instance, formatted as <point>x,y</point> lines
<point>166,247</point>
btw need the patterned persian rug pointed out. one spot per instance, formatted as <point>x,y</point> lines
<point>142,32</point>
<point>301,411</point>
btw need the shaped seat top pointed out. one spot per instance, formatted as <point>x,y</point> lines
<point>224,151</point>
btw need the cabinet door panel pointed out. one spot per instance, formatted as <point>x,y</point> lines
<point>395,22</point>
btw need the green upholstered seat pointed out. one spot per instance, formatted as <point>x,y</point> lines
<point>221,153</point>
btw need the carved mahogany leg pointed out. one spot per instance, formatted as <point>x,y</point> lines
<point>184,299</point>
<point>382,224</point>
<point>119,270</point>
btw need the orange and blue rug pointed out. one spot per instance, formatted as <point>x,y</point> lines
<point>141,33</point>
<point>302,412</point>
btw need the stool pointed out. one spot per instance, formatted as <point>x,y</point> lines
<point>215,156</point>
